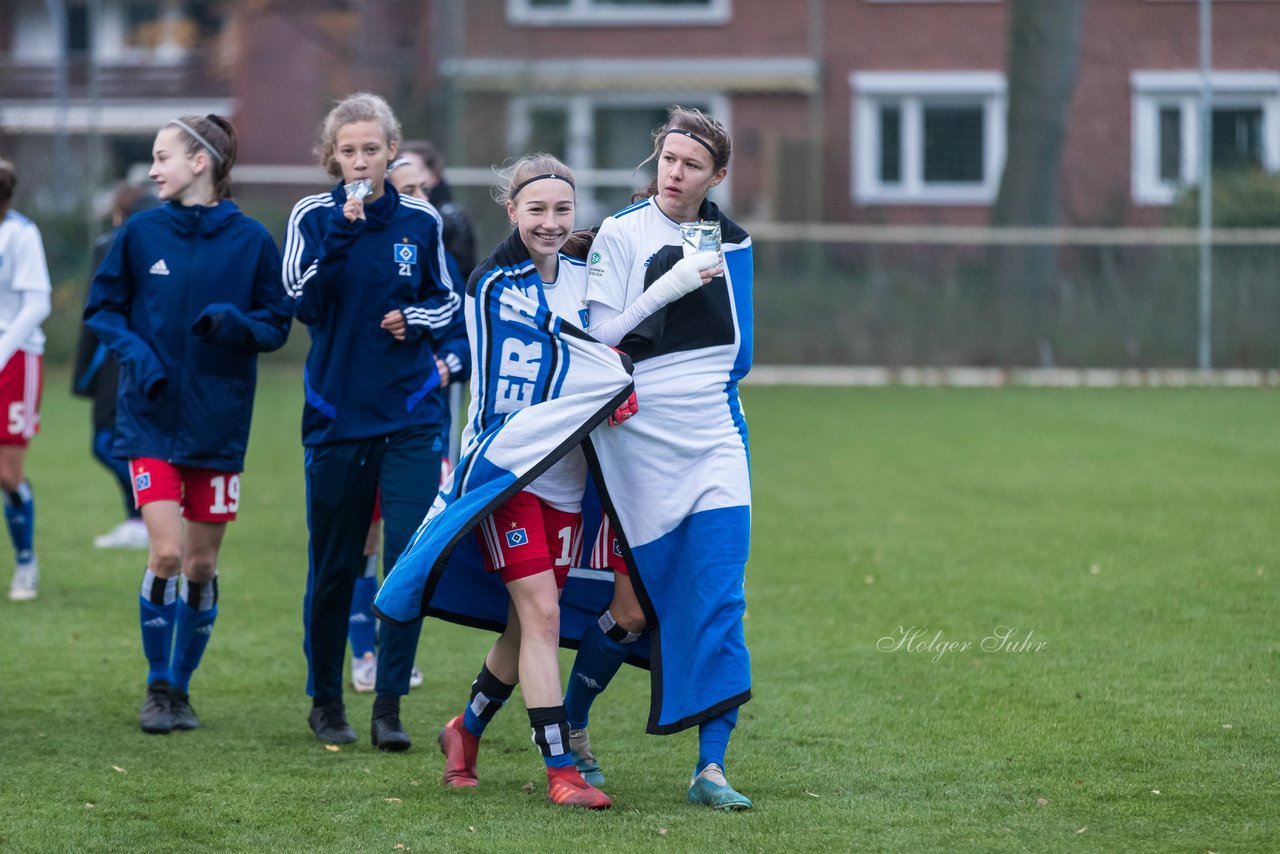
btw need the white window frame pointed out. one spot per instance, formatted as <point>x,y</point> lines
<point>1156,90</point>
<point>593,12</point>
<point>581,133</point>
<point>911,92</point>
<point>34,40</point>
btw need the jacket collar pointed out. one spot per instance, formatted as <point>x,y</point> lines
<point>198,219</point>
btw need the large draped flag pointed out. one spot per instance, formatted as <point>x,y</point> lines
<point>678,482</point>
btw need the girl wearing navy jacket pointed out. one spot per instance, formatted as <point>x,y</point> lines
<point>186,299</point>
<point>366,269</point>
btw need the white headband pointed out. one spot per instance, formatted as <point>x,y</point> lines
<point>200,139</point>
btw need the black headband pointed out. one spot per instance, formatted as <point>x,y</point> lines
<point>515,191</point>
<point>693,136</point>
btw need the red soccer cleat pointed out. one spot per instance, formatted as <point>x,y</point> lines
<point>459,747</point>
<point>566,787</point>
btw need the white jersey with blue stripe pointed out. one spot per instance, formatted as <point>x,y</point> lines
<point>622,249</point>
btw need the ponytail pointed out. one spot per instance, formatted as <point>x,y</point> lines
<point>216,137</point>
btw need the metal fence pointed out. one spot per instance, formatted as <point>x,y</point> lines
<point>935,296</point>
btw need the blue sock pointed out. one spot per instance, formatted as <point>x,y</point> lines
<point>604,648</point>
<point>20,513</point>
<point>362,629</point>
<point>158,604</point>
<point>713,738</point>
<point>196,614</point>
<point>488,695</point>
<point>551,734</point>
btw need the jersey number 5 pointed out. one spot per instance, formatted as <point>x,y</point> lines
<point>17,418</point>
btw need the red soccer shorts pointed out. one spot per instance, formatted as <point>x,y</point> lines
<point>606,551</point>
<point>526,536</point>
<point>206,495</point>
<point>21,382</point>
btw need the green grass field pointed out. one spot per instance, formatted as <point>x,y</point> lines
<point>1131,533</point>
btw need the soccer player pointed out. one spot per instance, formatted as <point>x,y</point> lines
<point>186,299</point>
<point>24,303</point>
<point>531,539</point>
<point>366,269</point>
<point>453,361</point>
<point>686,373</point>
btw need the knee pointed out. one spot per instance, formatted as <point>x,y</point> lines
<point>541,617</point>
<point>165,560</point>
<point>200,566</point>
<point>629,615</point>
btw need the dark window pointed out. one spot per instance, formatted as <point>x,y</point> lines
<point>953,144</point>
<point>79,40</point>
<point>549,131</point>
<point>624,135</point>
<point>890,145</point>
<point>1170,144</point>
<point>1237,138</point>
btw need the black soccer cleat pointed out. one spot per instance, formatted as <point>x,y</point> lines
<point>156,716</point>
<point>184,717</point>
<point>329,723</point>
<point>387,731</point>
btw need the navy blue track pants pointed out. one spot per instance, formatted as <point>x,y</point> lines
<point>343,480</point>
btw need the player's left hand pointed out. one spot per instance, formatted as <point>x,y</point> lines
<point>443,370</point>
<point>625,411</point>
<point>393,321</point>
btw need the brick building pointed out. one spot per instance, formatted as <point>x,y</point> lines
<point>842,110</point>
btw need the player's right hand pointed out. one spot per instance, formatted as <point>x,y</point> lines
<point>687,275</point>
<point>626,411</point>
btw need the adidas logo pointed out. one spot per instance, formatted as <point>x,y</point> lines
<point>589,682</point>
<point>156,623</point>
<point>204,630</point>
<point>160,268</point>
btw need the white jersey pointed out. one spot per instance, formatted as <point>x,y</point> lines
<point>561,485</point>
<point>621,251</point>
<point>22,268</point>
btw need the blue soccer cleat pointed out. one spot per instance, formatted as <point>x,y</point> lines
<point>709,788</point>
